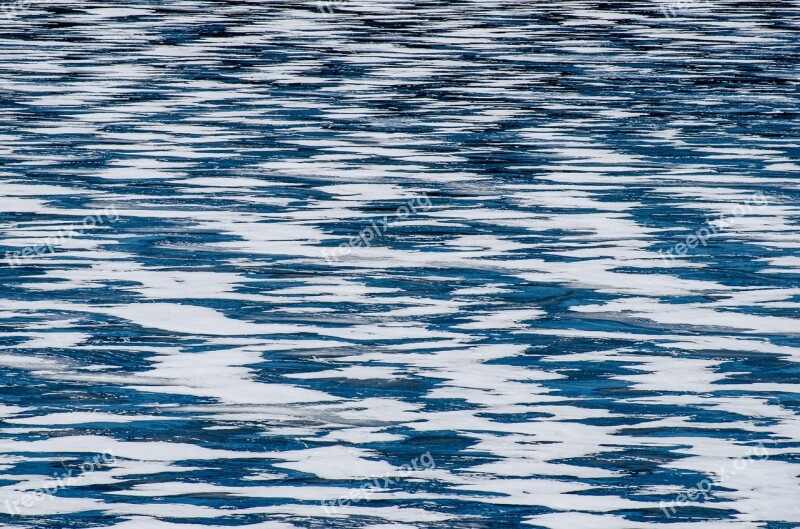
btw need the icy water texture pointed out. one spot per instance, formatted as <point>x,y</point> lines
<point>523,330</point>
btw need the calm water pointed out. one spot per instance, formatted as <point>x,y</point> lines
<point>448,264</point>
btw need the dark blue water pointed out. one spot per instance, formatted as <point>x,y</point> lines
<point>415,264</point>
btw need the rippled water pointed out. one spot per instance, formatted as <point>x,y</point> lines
<point>543,254</point>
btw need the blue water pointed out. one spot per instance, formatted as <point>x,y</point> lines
<point>446,264</point>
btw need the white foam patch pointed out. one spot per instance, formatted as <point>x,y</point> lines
<point>85,418</point>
